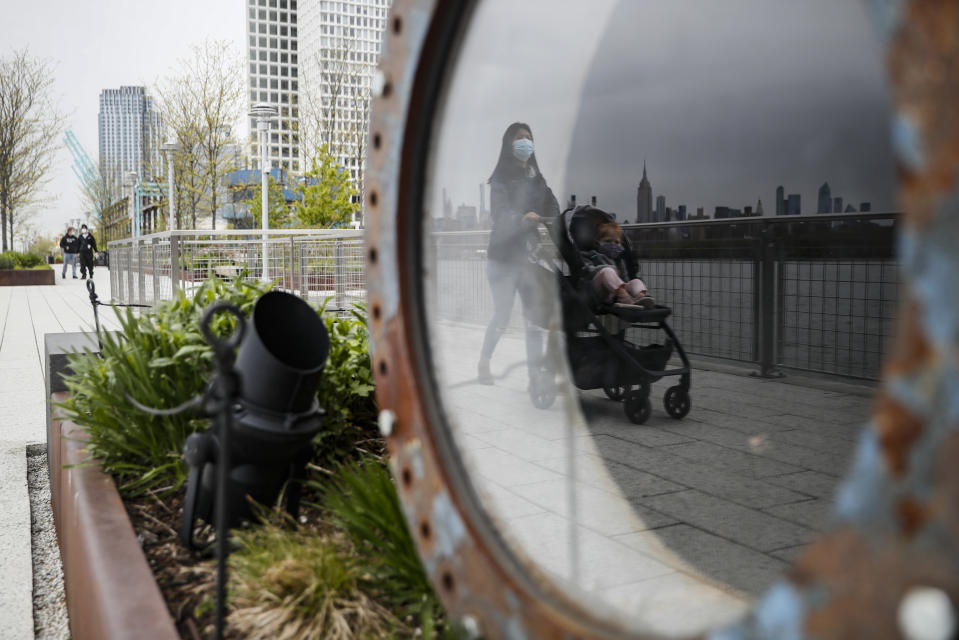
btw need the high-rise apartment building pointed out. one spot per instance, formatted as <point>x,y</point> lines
<point>273,57</point>
<point>129,134</point>
<point>340,44</point>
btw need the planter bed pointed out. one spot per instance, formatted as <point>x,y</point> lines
<point>110,589</point>
<point>27,277</point>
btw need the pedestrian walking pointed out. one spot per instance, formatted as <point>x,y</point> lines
<point>519,199</point>
<point>70,245</point>
<point>88,247</point>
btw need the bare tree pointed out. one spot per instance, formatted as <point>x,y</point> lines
<point>201,103</point>
<point>30,126</point>
<point>324,109</point>
<point>97,194</point>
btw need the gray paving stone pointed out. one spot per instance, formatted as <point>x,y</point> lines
<point>789,555</point>
<point>600,561</point>
<point>815,514</point>
<point>603,512</point>
<point>818,441</point>
<point>749,527</point>
<point>724,458</point>
<point>811,483</point>
<point>683,472</point>
<point>726,562</point>
<point>625,480</point>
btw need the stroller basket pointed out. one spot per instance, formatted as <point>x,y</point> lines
<point>595,366</point>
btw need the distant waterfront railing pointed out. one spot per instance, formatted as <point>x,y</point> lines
<point>815,292</point>
<point>316,264</point>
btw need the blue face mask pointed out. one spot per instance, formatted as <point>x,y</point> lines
<point>611,249</point>
<point>522,149</point>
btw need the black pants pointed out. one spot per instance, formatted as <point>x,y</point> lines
<point>86,262</point>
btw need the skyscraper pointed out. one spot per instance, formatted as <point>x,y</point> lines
<point>272,54</point>
<point>837,204</point>
<point>660,208</point>
<point>793,204</point>
<point>825,199</point>
<point>129,131</point>
<point>780,201</point>
<point>340,44</point>
<point>644,199</point>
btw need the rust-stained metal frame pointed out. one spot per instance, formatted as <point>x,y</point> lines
<point>897,513</point>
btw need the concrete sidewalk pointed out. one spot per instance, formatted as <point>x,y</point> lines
<point>26,315</point>
<point>645,520</point>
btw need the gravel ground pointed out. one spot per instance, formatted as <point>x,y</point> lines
<point>49,605</point>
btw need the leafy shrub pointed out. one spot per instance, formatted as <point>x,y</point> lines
<point>363,501</point>
<point>289,584</point>
<point>18,260</point>
<point>346,388</point>
<point>161,359</point>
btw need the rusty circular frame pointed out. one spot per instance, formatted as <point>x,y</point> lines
<point>900,525</point>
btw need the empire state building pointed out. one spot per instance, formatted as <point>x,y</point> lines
<point>644,199</point>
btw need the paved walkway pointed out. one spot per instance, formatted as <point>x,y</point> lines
<point>26,314</point>
<point>649,519</point>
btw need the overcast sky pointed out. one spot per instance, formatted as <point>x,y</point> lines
<point>724,100</point>
<point>101,44</point>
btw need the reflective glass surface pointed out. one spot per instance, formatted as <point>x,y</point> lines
<point>631,209</point>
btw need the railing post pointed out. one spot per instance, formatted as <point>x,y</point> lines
<point>113,276</point>
<point>129,292</point>
<point>768,315</point>
<point>155,242</point>
<point>174,265</point>
<point>292,265</point>
<point>339,274</point>
<point>141,276</point>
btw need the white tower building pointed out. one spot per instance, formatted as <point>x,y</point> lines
<point>340,44</point>
<point>272,57</point>
<point>129,130</point>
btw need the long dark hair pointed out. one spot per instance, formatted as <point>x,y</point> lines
<point>508,166</point>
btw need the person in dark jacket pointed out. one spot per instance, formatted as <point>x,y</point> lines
<point>70,245</point>
<point>88,247</point>
<point>519,198</point>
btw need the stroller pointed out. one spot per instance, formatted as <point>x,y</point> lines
<point>597,349</point>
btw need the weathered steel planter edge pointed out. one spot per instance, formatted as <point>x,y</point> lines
<point>110,588</point>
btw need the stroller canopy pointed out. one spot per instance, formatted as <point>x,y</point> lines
<point>577,232</point>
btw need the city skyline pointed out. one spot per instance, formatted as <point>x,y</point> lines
<point>82,66</point>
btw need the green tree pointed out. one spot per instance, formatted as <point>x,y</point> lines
<point>279,213</point>
<point>326,194</point>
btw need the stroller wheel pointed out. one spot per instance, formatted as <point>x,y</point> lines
<point>637,406</point>
<point>676,401</point>
<point>542,391</point>
<point>616,393</point>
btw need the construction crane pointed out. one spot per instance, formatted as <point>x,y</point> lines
<point>83,168</point>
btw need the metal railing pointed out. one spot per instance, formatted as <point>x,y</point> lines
<point>813,292</point>
<point>315,264</point>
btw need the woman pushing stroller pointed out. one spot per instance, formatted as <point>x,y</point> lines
<point>519,198</point>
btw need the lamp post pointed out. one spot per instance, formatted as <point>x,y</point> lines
<point>168,148</point>
<point>264,114</point>
<point>130,182</point>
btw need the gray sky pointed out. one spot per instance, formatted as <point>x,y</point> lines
<point>725,100</point>
<point>101,44</point>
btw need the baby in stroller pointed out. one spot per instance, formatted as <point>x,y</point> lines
<point>604,267</point>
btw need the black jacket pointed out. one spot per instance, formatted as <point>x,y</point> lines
<point>70,244</point>
<point>88,244</point>
<point>511,197</point>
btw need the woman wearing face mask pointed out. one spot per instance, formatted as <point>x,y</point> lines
<point>519,197</point>
<point>605,267</point>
